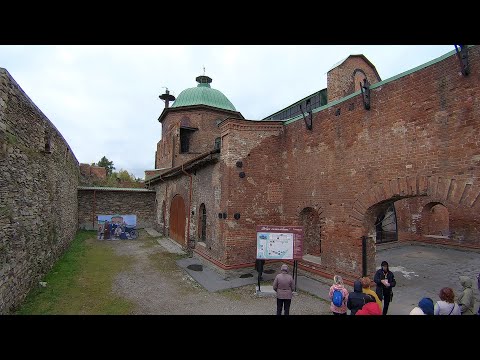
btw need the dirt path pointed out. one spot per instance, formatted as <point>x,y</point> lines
<point>156,285</point>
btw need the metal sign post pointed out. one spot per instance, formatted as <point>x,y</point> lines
<point>279,243</point>
<point>295,272</point>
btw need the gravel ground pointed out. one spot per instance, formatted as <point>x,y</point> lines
<point>157,286</point>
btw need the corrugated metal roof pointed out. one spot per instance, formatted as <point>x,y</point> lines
<point>113,189</point>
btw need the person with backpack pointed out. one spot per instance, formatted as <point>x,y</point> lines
<point>338,296</point>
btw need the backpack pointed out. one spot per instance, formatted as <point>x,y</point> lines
<point>337,298</point>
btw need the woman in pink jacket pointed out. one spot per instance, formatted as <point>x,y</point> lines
<point>283,285</point>
<point>338,285</point>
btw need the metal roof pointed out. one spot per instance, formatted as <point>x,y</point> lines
<point>203,94</point>
<point>113,189</point>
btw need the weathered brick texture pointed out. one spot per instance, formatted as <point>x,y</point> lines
<point>345,78</point>
<point>417,147</point>
<point>38,197</point>
<point>92,203</point>
<point>202,140</point>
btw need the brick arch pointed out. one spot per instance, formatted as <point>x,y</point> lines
<point>357,77</point>
<point>435,220</point>
<point>451,190</point>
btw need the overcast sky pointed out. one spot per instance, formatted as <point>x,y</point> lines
<point>104,99</point>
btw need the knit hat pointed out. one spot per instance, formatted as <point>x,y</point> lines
<point>426,304</point>
<point>284,268</point>
<point>384,263</point>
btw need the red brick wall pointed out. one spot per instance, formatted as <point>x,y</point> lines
<point>415,220</point>
<point>419,138</point>
<point>206,190</point>
<point>201,140</point>
<point>417,145</point>
<point>98,171</point>
<point>344,79</point>
<point>258,196</point>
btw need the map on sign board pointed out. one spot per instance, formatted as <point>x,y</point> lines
<point>274,246</point>
<point>279,242</point>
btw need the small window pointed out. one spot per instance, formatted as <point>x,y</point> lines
<point>202,223</point>
<point>218,142</point>
<point>185,136</point>
<point>48,144</point>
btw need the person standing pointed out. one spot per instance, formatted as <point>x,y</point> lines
<point>446,305</point>
<point>466,300</point>
<point>283,286</point>
<point>385,281</point>
<point>357,299</point>
<point>478,285</point>
<point>341,307</point>
<point>366,290</point>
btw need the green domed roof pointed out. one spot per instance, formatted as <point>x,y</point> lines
<point>203,94</point>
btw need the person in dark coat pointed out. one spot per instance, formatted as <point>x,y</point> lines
<point>478,285</point>
<point>283,286</point>
<point>357,298</point>
<point>385,281</point>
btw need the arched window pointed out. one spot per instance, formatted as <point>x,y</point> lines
<point>202,223</point>
<point>435,220</point>
<point>386,225</point>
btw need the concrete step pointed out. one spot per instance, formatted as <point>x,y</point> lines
<point>152,232</point>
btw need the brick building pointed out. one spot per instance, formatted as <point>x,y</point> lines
<point>365,158</point>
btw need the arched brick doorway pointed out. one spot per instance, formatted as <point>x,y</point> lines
<point>177,220</point>
<point>435,220</point>
<point>310,220</point>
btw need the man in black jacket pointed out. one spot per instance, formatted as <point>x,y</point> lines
<point>385,281</point>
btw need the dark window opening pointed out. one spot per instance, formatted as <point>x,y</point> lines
<point>203,223</point>
<point>48,147</point>
<point>386,226</point>
<point>218,142</point>
<point>185,136</point>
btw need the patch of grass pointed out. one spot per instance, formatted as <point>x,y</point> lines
<point>81,281</point>
<point>148,242</point>
<point>165,262</point>
<point>231,294</point>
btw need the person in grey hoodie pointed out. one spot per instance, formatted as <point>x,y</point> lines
<point>283,286</point>
<point>466,300</point>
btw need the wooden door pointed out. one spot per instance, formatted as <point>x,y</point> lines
<point>177,220</point>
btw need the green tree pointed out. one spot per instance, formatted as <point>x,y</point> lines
<point>124,175</point>
<point>104,162</point>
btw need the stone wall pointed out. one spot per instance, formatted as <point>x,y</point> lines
<point>107,201</point>
<point>38,201</point>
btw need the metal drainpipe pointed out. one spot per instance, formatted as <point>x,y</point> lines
<point>94,208</point>
<point>164,210</point>
<point>189,206</point>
